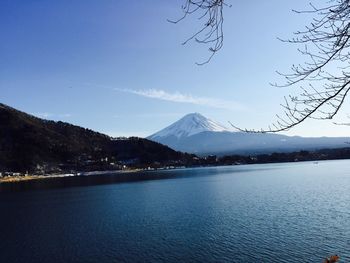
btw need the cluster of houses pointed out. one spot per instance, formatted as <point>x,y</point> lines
<point>81,164</point>
<point>6,174</point>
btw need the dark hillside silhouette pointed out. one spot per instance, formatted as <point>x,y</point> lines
<point>28,142</point>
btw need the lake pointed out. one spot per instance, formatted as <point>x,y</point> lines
<point>291,212</point>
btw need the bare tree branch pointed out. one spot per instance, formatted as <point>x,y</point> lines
<point>325,75</point>
<point>211,33</point>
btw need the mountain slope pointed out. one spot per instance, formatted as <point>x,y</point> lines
<point>223,141</point>
<point>27,141</point>
<point>189,125</point>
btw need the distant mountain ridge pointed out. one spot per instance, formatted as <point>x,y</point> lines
<point>216,139</point>
<point>27,142</point>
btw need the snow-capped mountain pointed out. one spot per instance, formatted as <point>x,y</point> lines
<point>189,125</point>
<point>197,134</point>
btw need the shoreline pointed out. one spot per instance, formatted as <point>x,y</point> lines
<point>24,178</point>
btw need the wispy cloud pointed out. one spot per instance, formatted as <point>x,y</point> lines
<point>127,134</point>
<point>48,115</point>
<point>148,115</point>
<point>44,115</point>
<point>185,98</point>
<point>65,115</point>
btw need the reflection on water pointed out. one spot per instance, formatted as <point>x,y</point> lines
<point>74,181</point>
<point>255,213</point>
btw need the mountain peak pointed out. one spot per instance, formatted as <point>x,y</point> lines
<point>190,124</point>
<point>194,114</point>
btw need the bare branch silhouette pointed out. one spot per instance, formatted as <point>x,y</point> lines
<point>211,33</point>
<point>324,77</point>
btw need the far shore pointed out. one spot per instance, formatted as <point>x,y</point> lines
<point>28,177</point>
<point>22,178</point>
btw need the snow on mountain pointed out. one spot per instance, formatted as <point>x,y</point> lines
<point>196,134</point>
<point>189,125</point>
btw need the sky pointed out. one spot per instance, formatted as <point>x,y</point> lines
<point>118,66</point>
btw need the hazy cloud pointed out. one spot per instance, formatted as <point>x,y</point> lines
<point>65,115</point>
<point>117,134</point>
<point>185,98</point>
<point>48,115</point>
<point>148,115</point>
<point>44,115</point>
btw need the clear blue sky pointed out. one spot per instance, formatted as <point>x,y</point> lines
<point>117,66</point>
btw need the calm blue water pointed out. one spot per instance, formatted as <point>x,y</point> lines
<point>296,212</point>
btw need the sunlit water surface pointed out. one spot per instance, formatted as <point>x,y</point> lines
<point>294,212</point>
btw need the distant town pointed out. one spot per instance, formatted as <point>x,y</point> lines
<point>86,165</point>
